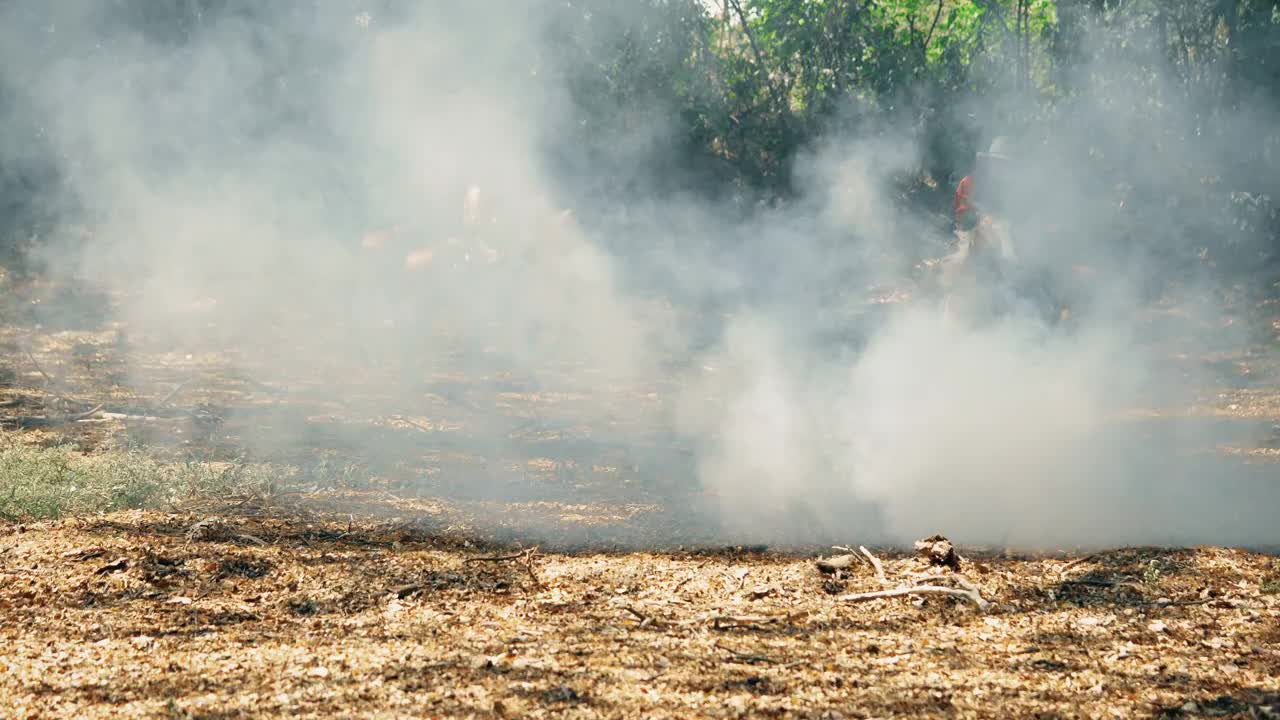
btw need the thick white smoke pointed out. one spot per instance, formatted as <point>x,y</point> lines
<point>230,178</point>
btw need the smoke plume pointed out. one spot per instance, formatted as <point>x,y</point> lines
<point>229,176</point>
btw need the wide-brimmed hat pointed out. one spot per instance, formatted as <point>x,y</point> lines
<point>1001,149</point>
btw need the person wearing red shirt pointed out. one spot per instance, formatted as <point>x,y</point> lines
<point>971,188</point>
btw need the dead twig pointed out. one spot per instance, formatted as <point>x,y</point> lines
<point>174,392</point>
<point>645,620</point>
<point>404,591</point>
<point>749,658</point>
<point>86,413</point>
<point>528,567</point>
<point>27,421</point>
<point>51,383</point>
<point>969,595</point>
<point>527,556</point>
<point>501,558</point>
<point>39,369</point>
<point>1078,561</point>
<point>728,622</point>
<point>875,563</point>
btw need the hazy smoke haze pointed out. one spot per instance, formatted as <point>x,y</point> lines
<point>228,178</point>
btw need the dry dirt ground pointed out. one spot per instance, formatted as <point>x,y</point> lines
<point>360,587</point>
<point>280,612</point>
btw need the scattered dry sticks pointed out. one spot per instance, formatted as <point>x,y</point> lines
<point>526,556</point>
<point>969,595</point>
<point>50,388</point>
<point>939,552</point>
<point>841,563</point>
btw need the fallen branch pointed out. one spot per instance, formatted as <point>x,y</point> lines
<point>970,595</point>
<point>502,558</point>
<point>875,563</point>
<point>28,421</point>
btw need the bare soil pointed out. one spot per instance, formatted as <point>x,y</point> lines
<point>283,612</point>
